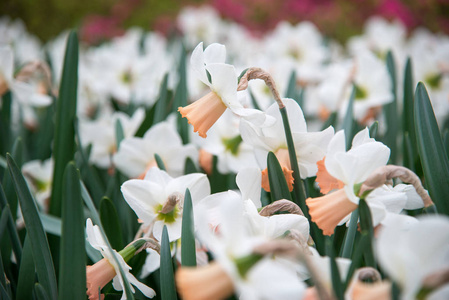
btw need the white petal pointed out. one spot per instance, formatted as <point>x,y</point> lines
<point>224,83</point>
<point>249,182</point>
<point>215,53</point>
<point>197,63</point>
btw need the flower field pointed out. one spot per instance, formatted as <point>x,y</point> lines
<point>216,163</point>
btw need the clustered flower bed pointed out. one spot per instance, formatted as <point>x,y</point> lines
<point>224,166</point>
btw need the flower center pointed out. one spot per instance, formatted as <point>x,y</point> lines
<point>433,80</point>
<point>232,144</point>
<point>169,217</point>
<point>360,92</point>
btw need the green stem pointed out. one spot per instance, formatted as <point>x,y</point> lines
<point>350,235</point>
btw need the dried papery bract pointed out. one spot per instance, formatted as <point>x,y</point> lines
<point>31,69</point>
<point>281,205</point>
<point>384,174</point>
<point>327,211</point>
<point>209,282</point>
<point>368,285</point>
<point>257,73</point>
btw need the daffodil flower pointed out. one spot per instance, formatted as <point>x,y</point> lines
<point>410,256</point>
<point>222,79</point>
<point>107,269</point>
<point>157,200</point>
<point>310,146</point>
<point>135,155</point>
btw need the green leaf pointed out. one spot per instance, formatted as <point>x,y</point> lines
<point>51,224</point>
<point>278,185</point>
<point>12,229</point>
<point>180,99</point>
<point>168,288</point>
<point>298,185</point>
<point>446,141</point>
<point>3,293</point>
<point>335,274</point>
<point>391,112</point>
<point>189,166</point>
<point>119,133</point>
<point>408,123</point>
<point>147,121</point>
<point>161,104</point>
<point>96,220</point>
<point>331,121</point>
<point>27,272</point>
<point>159,161</point>
<point>431,150</point>
<point>5,122</point>
<point>41,251</point>
<point>348,122</point>
<point>64,142</point>
<point>41,294</point>
<point>366,227</point>
<point>188,249</point>
<point>10,194</point>
<point>373,129</point>
<point>72,272</point>
<point>291,87</point>
<point>350,234</point>
<point>111,223</point>
<point>241,74</point>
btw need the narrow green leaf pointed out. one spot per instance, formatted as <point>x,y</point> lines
<point>3,163</point>
<point>168,288</point>
<point>391,111</point>
<point>373,129</point>
<point>45,135</point>
<point>298,185</point>
<point>72,272</point>
<point>446,141</point>
<point>350,235</point>
<point>96,220</point>
<point>4,221</point>
<point>331,121</point>
<point>161,104</point>
<point>64,141</point>
<point>431,150</point>
<point>278,184</point>
<point>253,99</point>
<point>41,294</point>
<point>119,133</point>
<point>159,161</point>
<point>180,99</point>
<point>147,121</point>
<point>12,229</point>
<point>366,227</point>
<point>3,293</point>
<point>10,194</point>
<point>111,223</point>
<point>188,249</point>
<point>189,167</point>
<point>335,274</point>
<point>291,87</point>
<point>241,74</point>
<point>408,123</point>
<point>51,224</point>
<point>348,122</point>
<point>27,272</point>
<point>41,251</point>
<point>5,123</point>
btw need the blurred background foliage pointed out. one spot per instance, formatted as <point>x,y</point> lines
<point>102,19</point>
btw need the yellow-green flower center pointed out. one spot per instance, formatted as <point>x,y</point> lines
<point>169,217</point>
<point>232,144</point>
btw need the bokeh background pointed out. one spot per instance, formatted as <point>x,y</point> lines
<point>101,19</point>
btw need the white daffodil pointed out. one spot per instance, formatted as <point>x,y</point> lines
<point>25,93</point>
<point>310,147</point>
<point>135,155</point>
<point>40,176</point>
<point>158,199</point>
<point>346,171</point>
<point>411,256</point>
<point>355,165</point>
<point>225,142</point>
<point>106,269</point>
<point>222,79</point>
<point>231,232</point>
<point>101,134</point>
